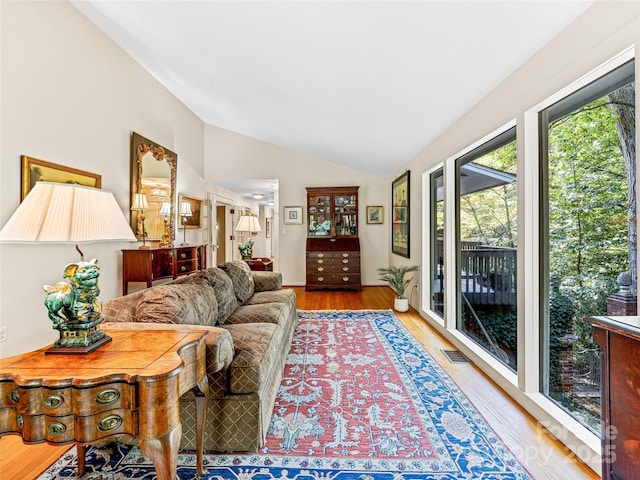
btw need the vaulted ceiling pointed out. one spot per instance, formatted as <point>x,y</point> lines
<point>363,84</point>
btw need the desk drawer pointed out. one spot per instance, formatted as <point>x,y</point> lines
<point>89,401</point>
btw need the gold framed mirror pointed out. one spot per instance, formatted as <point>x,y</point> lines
<point>153,173</point>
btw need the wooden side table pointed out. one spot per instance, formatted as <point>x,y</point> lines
<point>260,264</point>
<point>130,386</point>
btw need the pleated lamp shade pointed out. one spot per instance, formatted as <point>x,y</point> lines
<point>67,213</point>
<point>248,223</point>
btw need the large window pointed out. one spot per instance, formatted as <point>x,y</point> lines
<point>588,231</point>
<point>437,241</point>
<point>486,245</point>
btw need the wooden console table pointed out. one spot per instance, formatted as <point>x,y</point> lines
<point>148,265</point>
<point>619,342</point>
<point>131,386</point>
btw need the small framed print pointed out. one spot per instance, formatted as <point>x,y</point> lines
<point>267,229</point>
<point>292,215</point>
<point>374,214</point>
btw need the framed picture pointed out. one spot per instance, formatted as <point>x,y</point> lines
<point>34,170</point>
<point>195,220</point>
<point>267,228</point>
<point>400,224</point>
<point>374,214</point>
<point>293,215</point>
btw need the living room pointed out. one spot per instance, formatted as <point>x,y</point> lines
<point>71,96</point>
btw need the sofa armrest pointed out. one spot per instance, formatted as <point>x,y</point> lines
<point>219,342</point>
<point>267,281</point>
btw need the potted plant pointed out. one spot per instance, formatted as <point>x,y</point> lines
<point>395,276</point>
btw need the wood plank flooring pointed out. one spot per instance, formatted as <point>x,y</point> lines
<point>544,457</point>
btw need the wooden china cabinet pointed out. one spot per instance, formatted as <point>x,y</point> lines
<point>333,247</point>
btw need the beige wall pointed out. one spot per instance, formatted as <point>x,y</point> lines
<point>69,95</point>
<point>231,156</point>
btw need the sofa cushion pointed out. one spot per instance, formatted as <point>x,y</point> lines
<point>262,313</point>
<point>277,296</point>
<point>189,304</point>
<point>265,281</point>
<point>222,288</point>
<point>241,277</point>
<point>256,349</point>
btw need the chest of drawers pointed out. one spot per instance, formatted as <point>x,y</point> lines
<point>149,265</point>
<point>333,263</point>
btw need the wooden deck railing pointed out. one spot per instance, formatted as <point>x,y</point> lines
<point>488,274</point>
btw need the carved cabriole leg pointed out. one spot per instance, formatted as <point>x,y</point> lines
<point>160,427</point>
<point>202,397</point>
<point>163,452</point>
<point>82,457</point>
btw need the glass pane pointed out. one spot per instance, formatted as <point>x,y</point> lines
<point>437,242</point>
<point>345,215</point>
<point>588,202</point>
<point>319,216</point>
<point>487,250</point>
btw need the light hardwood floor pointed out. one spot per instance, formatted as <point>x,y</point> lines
<point>544,457</point>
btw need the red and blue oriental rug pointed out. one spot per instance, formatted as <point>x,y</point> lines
<point>360,399</point>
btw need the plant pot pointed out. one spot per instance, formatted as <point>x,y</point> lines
<point>401,304</point>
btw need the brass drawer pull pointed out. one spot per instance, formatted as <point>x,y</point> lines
<point>320,255</point>
<point>320,261</point>
<point>346,279</point>
<point>345,254</point>
<point>346,260</point>
<point>20,420</point>
<point>53,401</point>
<point>107,396</point>
<point>183,255</point>
<point>56,429</point>
<point>110,423</point>
<point>321,279</point>
<point>14,395</point>
<point>321,269</point>
<point>345,269</point>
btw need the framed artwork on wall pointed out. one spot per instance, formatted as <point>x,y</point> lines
<point>292,215</point>
<point>34,170</point>
<point>374,214</point>
<point>400,224</point>
<point>267,229</point>
<point>195,220</point>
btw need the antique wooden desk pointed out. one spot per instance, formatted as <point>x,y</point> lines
<point>619,342</point>
<point>131,386</point>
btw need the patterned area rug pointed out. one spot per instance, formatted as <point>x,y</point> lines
<point>360,399</point>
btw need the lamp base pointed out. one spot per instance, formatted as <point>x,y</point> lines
<point>78,349</point>
<point>144,247</point>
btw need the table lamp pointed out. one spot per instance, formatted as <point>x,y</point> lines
<point>165,211</point>
<point>248,223</point>
<point>72,214</point>
<point>185,213</point>
<point>140,205</point>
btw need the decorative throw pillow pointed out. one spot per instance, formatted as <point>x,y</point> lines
<point>223,289</point>
<point>241,277</point>
<point>181,304</point>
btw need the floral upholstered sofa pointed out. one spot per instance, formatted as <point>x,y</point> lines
<point>250,320</point>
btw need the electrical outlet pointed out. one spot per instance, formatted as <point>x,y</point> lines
<point>3,333</point>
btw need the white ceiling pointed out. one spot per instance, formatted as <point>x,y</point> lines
<point>363,84</point>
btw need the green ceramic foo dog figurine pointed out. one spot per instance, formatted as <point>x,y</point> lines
<point>75,309</point>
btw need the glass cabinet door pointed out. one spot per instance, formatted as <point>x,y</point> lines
<point>319,216</point>
<point>345,215</point>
